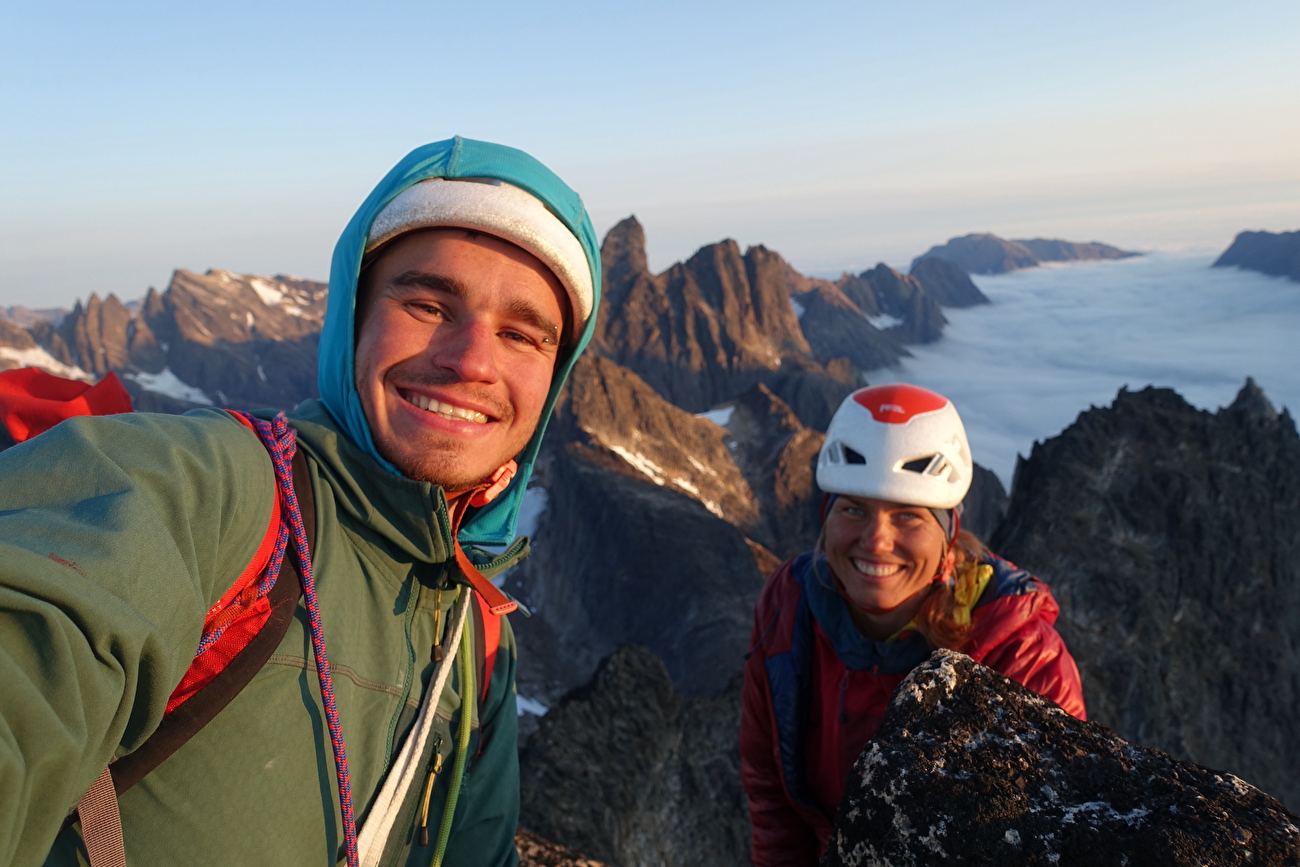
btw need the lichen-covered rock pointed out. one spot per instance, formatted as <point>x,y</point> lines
<point>536,852</point>
<point>970,767</point>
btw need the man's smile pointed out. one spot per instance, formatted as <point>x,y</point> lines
<point>445,410</point>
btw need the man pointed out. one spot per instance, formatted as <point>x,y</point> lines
<point>461,294</point>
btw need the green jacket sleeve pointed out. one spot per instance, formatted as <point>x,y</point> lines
<point>116,535</point>
<point>483,833</point>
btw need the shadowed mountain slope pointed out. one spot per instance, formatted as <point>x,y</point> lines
<point>1168,536</point>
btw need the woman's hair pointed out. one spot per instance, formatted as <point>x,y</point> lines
<point>935,620</point>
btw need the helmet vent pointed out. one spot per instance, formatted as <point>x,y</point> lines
<point>852,457</point>
<point>930,465</point>
<point>919,465</point>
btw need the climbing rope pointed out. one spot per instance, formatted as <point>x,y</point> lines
<point>281,443</point>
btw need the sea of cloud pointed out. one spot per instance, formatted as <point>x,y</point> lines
<point>1061,338</point>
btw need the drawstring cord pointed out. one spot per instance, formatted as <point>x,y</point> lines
<point>281,442</point>
<point>465,656</point>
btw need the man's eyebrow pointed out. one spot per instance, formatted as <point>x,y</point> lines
<point>519,308</point>
<point>430,280</point>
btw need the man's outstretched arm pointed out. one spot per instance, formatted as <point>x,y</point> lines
<point>116,535</point>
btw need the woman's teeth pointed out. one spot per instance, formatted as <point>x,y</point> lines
<point>876,570</point>
<point>446,410</point>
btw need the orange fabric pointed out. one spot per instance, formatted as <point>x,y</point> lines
<point>239,611</point>
<point>33,401</point>
<point>491,642</point>
<point>492,603</point>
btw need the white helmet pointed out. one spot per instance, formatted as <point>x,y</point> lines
<point>899,443</point>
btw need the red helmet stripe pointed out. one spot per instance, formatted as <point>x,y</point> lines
<point>898,403</point>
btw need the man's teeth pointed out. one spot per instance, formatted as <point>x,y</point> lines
<point>446,410</point>
<point>878,571</point>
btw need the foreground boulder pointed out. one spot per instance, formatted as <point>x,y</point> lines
<point>970,767</point>
<point>537,852</point>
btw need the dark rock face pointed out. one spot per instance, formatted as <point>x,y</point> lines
<point>989,254</point>
<point>1168,535</point>
<point>1274,253</point>
<point>837,328</point>
<point>970,767</point>
<point>778,457</point>
<point>985,504</point>
<point>947,284</point>
<point>981,254</point>
<point>629,772</point>
<point>1055,250</point>
<point>627,552</point>
<point>884,292</point>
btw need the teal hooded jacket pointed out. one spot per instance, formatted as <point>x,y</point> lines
<point>454,158</point>
<point>119,533</point>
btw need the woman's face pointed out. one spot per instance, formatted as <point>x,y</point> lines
<point>883,552</point>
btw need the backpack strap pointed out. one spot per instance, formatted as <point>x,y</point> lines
<point>101,827</point>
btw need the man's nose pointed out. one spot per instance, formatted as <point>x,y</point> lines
<point>467,349</point>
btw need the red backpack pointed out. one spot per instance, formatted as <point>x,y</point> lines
<point>244,627</point>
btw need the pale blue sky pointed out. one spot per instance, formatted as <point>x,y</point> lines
<point>141,137</point>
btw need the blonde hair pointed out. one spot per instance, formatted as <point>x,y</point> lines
<point>937,619</point>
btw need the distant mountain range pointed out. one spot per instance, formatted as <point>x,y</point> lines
<point>1274,253</point>
<point>214,338</point>
<point>989,254</point>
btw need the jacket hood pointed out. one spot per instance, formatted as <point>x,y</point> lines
<point>494,524</point>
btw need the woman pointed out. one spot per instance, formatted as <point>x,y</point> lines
<point>892,578</point>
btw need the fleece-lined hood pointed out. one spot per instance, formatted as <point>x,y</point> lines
<point>454,158</point>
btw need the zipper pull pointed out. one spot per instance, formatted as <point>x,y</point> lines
<point>435,767</point>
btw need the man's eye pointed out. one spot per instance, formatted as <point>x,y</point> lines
<point>425,308</point>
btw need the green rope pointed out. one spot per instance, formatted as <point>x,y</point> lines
<point>468,694</point>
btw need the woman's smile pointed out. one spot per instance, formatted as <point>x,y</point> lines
<point>884,554</point>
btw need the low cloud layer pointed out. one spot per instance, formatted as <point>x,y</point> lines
<point>1059,339</point>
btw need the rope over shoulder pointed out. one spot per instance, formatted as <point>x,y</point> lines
<point>281,442</point>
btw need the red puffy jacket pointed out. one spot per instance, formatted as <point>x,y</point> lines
<point>816,692</point>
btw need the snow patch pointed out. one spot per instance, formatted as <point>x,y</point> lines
<point>641,463</point>
<point>702,467</point>
<point>884,320</point>
<point>270,294</point>
<point>524,705</point>
<point>721,417</point>
<point>170,384</point>
<point>530,511</point>
<point>37,357</point>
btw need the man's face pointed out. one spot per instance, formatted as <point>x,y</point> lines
<point>457,339</point>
